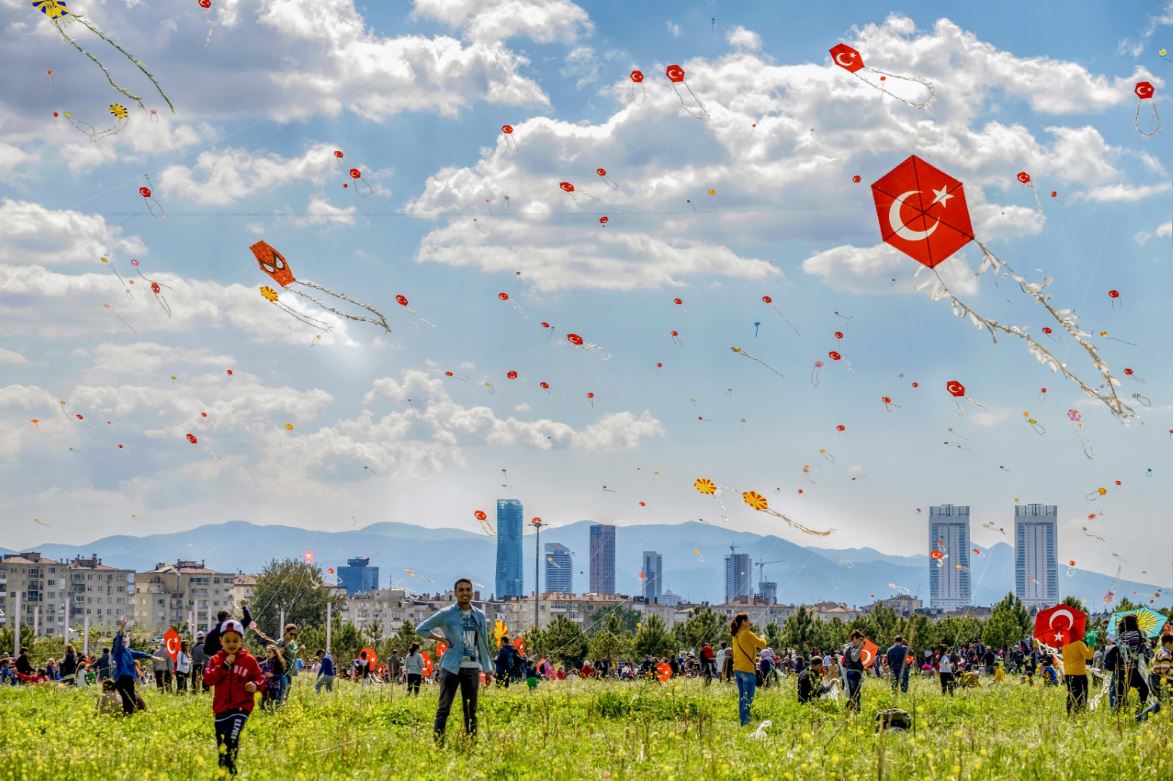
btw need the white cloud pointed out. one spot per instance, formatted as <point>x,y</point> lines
<point>15,161</point>
<point>882,269</point>
<point>1162,231</point>
<point>674,29</point>
<point>220,178</point>
<point>320,212</point>
<point>542,21</point>
<point>1122,193</point>
<point>1135,46</point>
<point>742,38</point>
<point>32,234</point>
<point>9,356</point>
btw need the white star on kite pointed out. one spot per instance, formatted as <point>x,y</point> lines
<point>941,196</point>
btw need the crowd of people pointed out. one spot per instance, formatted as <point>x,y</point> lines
<point>218,660</point>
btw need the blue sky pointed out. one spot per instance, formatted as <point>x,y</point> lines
<point>415,95</point>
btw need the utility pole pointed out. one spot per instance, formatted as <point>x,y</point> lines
<point>538,525</point>
<point>65,627</point>
<point>86,635</point>
<point>16,626</point>
<point>328,615</point>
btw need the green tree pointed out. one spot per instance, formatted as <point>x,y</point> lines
<point>800,631</point>
<point>1124,604</point>
<point>373,633</point>
<point>402,640</point>
<point>704,625</point>
<point>1074,603</point>
<point>296,587</point>
<point>653,638</point>
<point>835,634</point>
<point>918,633</point>
<point>774,637</point>
<point>606,645</point>
<point>622,620</point>
<point>1013,603</point>
<point>1001,630</point>
<point>565,641</point>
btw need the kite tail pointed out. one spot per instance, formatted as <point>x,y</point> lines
<point>382,322</point>
<point>98,62</point>
<point>799,526</point>
<point>1111,400</point>
<point>138,63</point>
<point>1069,323</point>
<point>929,88</point>
<point>1158,121</point>
<point>304,318</point>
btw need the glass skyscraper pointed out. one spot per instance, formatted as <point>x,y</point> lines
<point>738,576</point>
<point>508,573</point>
<point>358,576</point>
<point>651,588</point>
<point>602,559</point>
<point>1036,555</point>
<point>950,575</point>
<point>558,574</point>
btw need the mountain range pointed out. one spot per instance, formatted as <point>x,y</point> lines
<point>428,560</point>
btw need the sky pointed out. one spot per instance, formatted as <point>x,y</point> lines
<point>738,183</point>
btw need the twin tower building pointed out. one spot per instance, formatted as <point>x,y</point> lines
<point>558,566</point>
<point>1035,538</point>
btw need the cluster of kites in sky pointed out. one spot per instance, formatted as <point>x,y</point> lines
<point>921,210</point>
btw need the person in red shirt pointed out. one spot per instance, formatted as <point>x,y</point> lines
<point>236,675</point>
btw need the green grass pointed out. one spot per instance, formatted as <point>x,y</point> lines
<point>587,730</point>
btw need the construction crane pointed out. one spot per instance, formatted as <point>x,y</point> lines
<point>762,564</point>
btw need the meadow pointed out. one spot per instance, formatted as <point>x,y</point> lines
<point>588,730</point>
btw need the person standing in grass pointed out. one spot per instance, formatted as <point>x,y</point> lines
<point>124,668</point>
<point>746,645</point>
<point>854,670</point>
<point>326,671</point>
<point>183,668</point>
<point>198,661</point>
<point>895,657</point>
<point>414,669</point>
<point>946,672</point>
<point>463,628</point>
<point>235,675</point>
<point>289,651</point>
<point>1074,655</point>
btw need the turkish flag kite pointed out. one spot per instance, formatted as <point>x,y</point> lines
<point>847,57</point>
<point>442,647</point>
<point>520,645</point>
<point>1058,626</point>
<point>868,652</point>
<point>427,671</point>
<point>664,672</point>
<point>923,211</point>
<point>171,640</point>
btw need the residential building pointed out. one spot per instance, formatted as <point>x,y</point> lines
<point>1036,555</point>
<point>761,614</point>
<point>358,576</point>
<point>242,589</point>
<point>558,568</point>
<point>902,604</point>
<point>949,556</point>
<point>582,609</point>
<point>98,594</point>
<point>508,572</point>
<point>184,592</point>
<point>41,584</point>
<point>768,592</point>
<point>738,576</point>
<point>826,611</point>
<point>602,559</point>
<point>651,588</point>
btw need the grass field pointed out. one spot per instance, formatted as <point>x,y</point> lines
<point>587,730</point>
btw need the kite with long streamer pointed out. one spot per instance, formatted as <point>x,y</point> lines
<point>917,216</point>
<point>274,264</point>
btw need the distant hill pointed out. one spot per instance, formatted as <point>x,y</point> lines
<point>692,555</point>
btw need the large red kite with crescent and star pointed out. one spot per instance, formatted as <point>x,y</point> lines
<point>1058,626</point>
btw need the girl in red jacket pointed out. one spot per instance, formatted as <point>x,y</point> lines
<point>236,675</point>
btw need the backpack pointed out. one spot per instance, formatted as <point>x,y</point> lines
<point>894,719</point>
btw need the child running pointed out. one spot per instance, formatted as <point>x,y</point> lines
<point>236,675</point>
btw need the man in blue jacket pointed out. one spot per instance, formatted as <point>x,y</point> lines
<point>463,628</point>
<point>124,668</point>
<point>326,671</point>
<point>895,657</point>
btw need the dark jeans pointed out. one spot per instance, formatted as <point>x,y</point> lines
<point>948,682</point>
<point>181,683</point>
<point>1078,686</point>
<point>163,679</point>
<point>853,690</point>
<point>414,683</point>
<point>904,678</point>
<point>469,680</point>
<point>228,737</point>
<point>125,686</point>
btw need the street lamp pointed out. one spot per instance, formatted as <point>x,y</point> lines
<point>538,525</point>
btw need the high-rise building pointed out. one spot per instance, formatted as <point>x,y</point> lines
<point>738,576</point>
<point>1036,555</point>
<point>651,567</point>
<point>768,592</point>
<point>508,572</point>
<point>558,575</point>
<point>358,576</point>
<point>950,573</point>
<point>602,559</point>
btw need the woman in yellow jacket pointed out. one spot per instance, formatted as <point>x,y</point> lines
<point>1074,655</point>
<point>746,646</point>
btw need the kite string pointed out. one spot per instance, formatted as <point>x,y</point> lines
<point>1069,323</point>
<point>97,62</point>
<point>929,87</point>
<point>139,63</point>
<point>382,322</point>
<point>1036,348</point>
